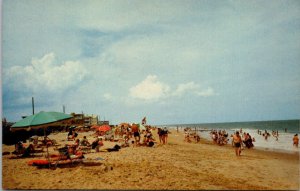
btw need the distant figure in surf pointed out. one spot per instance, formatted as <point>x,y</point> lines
<point>296,140</point>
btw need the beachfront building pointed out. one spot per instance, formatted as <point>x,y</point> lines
<point>94,119</point>
<point>103,123</point>
<point>78,119</point>
<point>90,120</point>
<point>85,120</point>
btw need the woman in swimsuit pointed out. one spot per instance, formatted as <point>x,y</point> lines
<point>237,140</point>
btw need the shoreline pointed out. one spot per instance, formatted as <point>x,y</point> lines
<point>177,165</point>
<point>284,145</point>
<point>263,149</point>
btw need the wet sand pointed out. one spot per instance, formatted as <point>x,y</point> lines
<point>176,165</point>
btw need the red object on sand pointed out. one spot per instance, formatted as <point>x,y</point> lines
<point>104,128</point>
<point>95,127</point>
<point>38,162</point>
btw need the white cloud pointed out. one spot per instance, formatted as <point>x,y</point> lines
<point>152,89</point>
<point>193,88</point>
<point>149,89</point>
<point>207,92</point>
<point>44,74</point>
<point>184,88</point>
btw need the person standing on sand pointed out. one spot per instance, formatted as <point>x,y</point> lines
<point>296,140</point>
<point>165,135</point>
<point>237,140</point>
<point>160,133</point>
<point>136,133</point>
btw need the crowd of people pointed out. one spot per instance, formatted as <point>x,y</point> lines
<point>139,135</point>
<point>275,134</point>
<point>133,135</point>
<point>219,137</point>
<point>191,135</point>
<point>266,134</point>
<point>124,135</point>
<point>120,134</point>
<point>240,139</point>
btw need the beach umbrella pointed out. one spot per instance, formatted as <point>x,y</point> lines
<point>40,120</point>
<point>104,128</point>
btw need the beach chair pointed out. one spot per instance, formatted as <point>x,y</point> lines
<point>56,160</point>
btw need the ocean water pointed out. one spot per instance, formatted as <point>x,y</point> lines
<point>286,130</point>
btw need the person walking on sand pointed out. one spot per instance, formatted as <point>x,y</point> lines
<point>296,140</point>
<point>237,140</point>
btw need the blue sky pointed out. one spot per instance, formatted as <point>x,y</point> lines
<point>172,61</point>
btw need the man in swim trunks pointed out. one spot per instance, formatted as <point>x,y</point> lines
<point>237,140</point>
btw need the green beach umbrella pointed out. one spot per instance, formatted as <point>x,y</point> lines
<point>40,120</point>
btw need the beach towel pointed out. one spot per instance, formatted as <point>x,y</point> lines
<point>45,162</point>
<point>38,162</point>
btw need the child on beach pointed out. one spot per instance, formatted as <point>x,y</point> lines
<point>84,141</point>
<point>124,142</point>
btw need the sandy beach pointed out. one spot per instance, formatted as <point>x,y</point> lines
<point>176,165</point>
